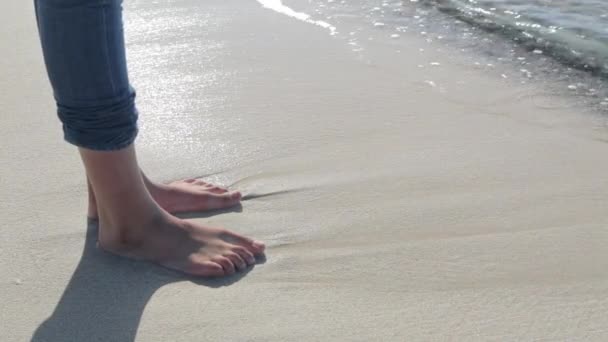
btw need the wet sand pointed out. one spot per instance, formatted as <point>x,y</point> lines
<point>396,204</point>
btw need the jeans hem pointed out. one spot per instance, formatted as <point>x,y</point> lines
<point>102,147</point>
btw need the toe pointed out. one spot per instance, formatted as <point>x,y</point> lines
<point>207,269</point>
<point>225,200</point>
<point>236,260</point>
<point>245,254</point>
<point>216,189</point>
<point>255,247</point>
<point>226,263</point>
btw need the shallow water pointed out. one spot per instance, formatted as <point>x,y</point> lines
<point>562,41</point>
<point>573,32</point>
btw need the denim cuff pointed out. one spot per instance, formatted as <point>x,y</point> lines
<point>118,142</point>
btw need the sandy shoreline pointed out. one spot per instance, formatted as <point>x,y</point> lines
<point>393,209</point>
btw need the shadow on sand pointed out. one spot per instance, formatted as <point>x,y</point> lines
<point>107,294</point>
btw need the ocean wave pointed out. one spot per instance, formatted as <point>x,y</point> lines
<point>572,46</point>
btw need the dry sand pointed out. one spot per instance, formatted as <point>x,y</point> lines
<point>394,210</point>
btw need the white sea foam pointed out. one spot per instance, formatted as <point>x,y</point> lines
<point>277,6</point>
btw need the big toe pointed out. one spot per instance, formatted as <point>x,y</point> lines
<point>206,269</point>
<point>221,201</point>
<point>216,189</point>
<point>254,246</point>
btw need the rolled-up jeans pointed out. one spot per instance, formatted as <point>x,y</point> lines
<point>84,52</point>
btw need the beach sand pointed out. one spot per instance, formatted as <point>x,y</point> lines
<point>398,203</point>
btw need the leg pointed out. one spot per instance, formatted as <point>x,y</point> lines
<point>83,46</point>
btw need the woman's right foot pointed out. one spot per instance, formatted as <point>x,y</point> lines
<point>183,246</point>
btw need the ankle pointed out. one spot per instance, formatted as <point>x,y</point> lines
<point>92,206</point>
<point>123,234</point>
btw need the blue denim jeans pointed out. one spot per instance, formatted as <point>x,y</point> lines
<point>84,52</point>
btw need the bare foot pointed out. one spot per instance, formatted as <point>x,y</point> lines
<point>189,195</point>
<point>183,246</point>
<point>132,224</point>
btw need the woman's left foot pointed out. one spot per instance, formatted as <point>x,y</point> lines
<point>189,195</point>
